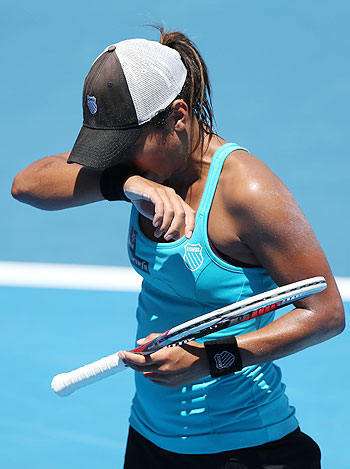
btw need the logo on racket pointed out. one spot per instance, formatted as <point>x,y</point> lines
<point>91,104</point>
<point>193,257</point>
<point>224,360</point>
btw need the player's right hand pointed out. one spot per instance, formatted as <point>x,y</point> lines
<point>169,213</point>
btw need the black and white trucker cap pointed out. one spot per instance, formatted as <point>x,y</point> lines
<point>127,85</point>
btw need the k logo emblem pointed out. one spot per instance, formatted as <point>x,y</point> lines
<point>91,104</point>
<point>193,257</point>
<point>224,360</point>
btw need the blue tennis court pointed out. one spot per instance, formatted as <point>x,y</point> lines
<point>60,329</point>
<point>280,75</point>
<point>47,331</point>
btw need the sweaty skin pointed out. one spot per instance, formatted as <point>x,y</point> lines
<point>254,219</point>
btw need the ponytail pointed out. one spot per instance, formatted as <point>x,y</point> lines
<point>196,91</point>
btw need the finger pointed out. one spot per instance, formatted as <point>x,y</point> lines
<point>150,337</point>
<point>178,221</point>
<point>140,362</point>
<point>158,207</point>
<point>190,220</point>
<point>168,214</point>
<point>138,359</point>
<point>133,358</point>
<point>184,218</point>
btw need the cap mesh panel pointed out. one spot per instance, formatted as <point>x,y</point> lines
<point>155,75</point>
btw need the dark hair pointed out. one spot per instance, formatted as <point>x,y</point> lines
<point>196,91</point>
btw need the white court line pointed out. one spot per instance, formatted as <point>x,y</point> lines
<point>88,277</point>
<point>344,287</point>
<point>69,276</point>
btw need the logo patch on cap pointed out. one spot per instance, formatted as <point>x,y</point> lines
<point>91,104</point>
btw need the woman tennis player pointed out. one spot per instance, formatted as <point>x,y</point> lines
<point>210,224</point>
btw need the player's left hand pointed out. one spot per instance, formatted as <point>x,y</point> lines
<point>169,366</point>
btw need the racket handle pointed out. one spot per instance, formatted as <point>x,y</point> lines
<point>65,383</point>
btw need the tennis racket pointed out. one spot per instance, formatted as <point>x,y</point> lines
<point>235,313</point>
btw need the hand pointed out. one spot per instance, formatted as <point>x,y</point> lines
<point>170,366</point>
<point>161,204</point>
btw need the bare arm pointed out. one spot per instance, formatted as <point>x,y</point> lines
<point>52,184</point>
<point>272,225</point>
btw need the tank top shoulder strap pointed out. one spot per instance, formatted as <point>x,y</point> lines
<point>214,173</point>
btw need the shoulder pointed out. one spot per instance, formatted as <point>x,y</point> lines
<point>256,198</point>
<point>247,182</point>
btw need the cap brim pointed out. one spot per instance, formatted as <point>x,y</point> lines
<point>97,148</point>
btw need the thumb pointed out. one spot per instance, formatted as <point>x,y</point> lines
<point>144,340</point>
<point>141,341</point>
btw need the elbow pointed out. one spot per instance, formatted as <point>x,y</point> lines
<point>341,324</point>
<point>18,189</point>
<point>25,189</point>
<point>336,324</point>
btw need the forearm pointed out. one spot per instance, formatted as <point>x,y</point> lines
<point>288,334</point>
<point>291,333</point>
<point>52,184</point>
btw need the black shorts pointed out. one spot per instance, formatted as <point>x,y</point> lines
<point>294,451</point>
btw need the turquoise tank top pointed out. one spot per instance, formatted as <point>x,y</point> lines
<point>181,280</point>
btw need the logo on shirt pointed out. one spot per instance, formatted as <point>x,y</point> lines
<point>224,360</point>
<point>134,259</point>
<point>193,256</point>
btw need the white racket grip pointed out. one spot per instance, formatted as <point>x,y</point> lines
<point>65,383</point>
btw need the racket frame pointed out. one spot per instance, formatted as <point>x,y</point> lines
<point>235,313</point>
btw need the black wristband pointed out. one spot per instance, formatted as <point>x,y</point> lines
<point>112,182</point>
<point>223,356</point>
